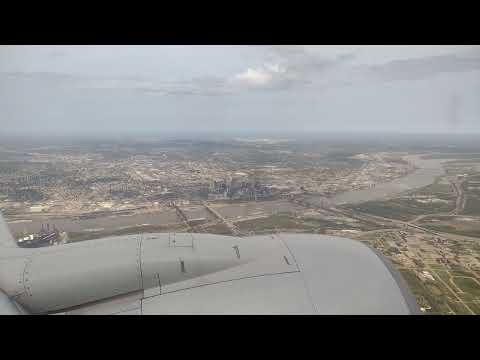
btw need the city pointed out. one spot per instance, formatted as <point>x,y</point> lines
<point>419,208</point>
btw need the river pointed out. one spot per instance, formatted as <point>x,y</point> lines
<point>427,171</point>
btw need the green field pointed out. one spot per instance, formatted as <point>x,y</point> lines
<point>320,223</point>
<point>436,302</point>
<point>434,293</point>
<point>287,222</point>
<point>271,223</point>
<point>475,307</point>
<point>401,209</point>
<point>387,209</point>
<point>448,277</point>
<point>472,206</point>
<point>468,285</point>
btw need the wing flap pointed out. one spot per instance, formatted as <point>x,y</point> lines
<point>263,294</point>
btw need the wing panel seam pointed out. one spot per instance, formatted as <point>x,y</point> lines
<point>221,282</point>
<point>301,275</point>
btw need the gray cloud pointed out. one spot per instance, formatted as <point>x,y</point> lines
<point>290,67</point>
<point>246,88</point>
<point>331,72</point>
<point>422,68</point>
<point>302,62</point>
<point>197,86</point>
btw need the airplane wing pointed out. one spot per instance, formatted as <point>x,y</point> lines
<point>299,274</point>
<point>189,273</point>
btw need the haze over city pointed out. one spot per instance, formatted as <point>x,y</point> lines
<point>158,89</point>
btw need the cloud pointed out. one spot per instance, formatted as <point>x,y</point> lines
<point>325,72</point>
<point>284,68</point>
<point>303,59</point>
<point>255,77</point>
<point>262,76</point>
<point>304,67</point>
<point>295,67</point>
<point>422,68</point>
<point>208,86</point>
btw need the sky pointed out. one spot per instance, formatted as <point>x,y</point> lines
<point>278,88</point>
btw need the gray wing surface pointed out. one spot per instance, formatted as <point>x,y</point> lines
<point>332,276</point>
<point>295,274</point>
<point>202,274</point>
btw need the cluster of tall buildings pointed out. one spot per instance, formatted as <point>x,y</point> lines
<point>241,187</point>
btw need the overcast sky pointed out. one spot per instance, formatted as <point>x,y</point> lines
<point>118,89</point>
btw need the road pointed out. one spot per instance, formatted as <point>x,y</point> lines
<point>231,226</point>
<point>450,289</point>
